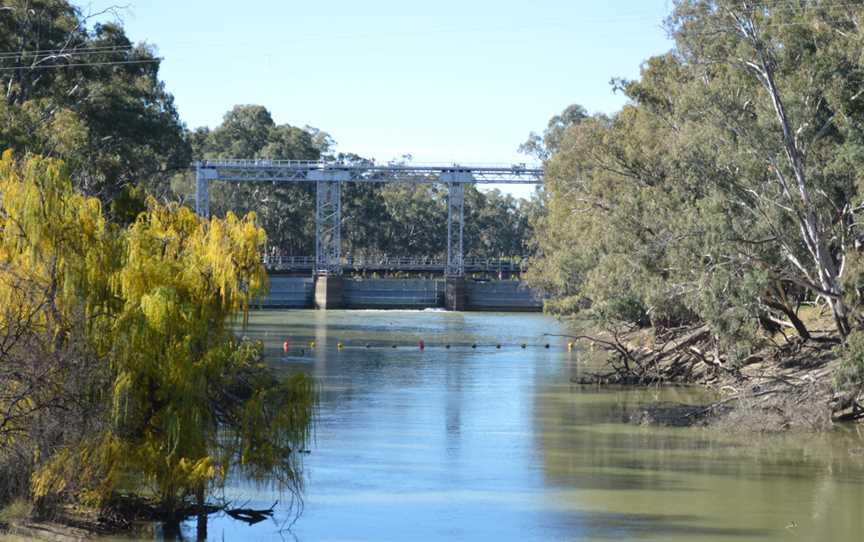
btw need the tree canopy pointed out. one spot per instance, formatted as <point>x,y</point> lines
<point>727,191</point>
<point>87,95</point>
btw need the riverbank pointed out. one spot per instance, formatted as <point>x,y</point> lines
<point>50,531</point>
<point>786,384</point>
<point>784,391</point>
<point>68,523</point>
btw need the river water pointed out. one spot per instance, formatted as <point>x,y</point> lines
<point>496,444</point>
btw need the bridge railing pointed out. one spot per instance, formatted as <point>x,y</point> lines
<point>514,264</point>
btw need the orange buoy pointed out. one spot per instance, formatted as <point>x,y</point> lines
<point>286,346</point>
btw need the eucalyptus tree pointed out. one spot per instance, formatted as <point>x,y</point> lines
<point>496,224</point>
<point>543,147</point>
<point>726,191</point>
<point>776,85</point>
<point>85,93</point>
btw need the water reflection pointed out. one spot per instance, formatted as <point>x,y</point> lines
<point>695,484</point>
<point>488,444</point>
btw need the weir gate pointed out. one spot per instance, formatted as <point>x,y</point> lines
<point>289,292</point>
<point>329,289</point>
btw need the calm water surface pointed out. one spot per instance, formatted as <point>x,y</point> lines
<point>496,444</point>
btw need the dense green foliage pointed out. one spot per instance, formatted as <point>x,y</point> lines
<point>728,191</point>
<point>88,96</point>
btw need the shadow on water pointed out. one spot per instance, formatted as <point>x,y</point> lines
<point>605,526</point>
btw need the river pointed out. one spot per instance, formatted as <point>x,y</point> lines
<point>493,443</point>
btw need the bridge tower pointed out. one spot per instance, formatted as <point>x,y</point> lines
<point>328,178</point>
<point>328,237</point>
<point>454,289</point>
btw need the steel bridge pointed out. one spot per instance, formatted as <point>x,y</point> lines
<point>397,264</point>
<point>329,176</point>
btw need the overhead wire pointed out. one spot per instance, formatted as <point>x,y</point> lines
<point>81,64</point>
<point>68,50</point>
<point>80,58</point>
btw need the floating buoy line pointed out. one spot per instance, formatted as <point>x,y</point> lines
<point>422,346</point>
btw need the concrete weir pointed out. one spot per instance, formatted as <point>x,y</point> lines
<point>328,292</point>
<point>452,293</point>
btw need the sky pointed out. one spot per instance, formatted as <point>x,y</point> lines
<point>444,81</point>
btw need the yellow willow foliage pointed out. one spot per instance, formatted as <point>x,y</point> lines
<point>94,466</point>
<point>182,280</point>
<point>183,401</point>
<point>53,237</point>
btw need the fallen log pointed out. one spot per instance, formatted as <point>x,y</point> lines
<point>251,516</point>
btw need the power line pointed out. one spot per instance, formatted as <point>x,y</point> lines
<point>82,64</point>
<point>68,50</point>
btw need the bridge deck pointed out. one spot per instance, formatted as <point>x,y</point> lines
<point>329,177</point>
<point>294,264</point>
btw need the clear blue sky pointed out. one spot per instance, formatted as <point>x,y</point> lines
<point>442,80</point>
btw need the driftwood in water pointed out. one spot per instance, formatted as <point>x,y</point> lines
<point>250,515</point>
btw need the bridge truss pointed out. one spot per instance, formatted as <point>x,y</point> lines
<point>329,177</point>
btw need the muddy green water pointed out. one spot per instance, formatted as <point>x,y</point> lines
<point>496,444</point>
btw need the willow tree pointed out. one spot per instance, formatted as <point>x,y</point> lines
<point>173,400</point>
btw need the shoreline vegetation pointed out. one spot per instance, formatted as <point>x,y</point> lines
<point>712,228</point>
<point>788,384</point>
<point>125,392</point>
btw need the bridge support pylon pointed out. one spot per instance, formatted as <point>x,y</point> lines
<point>328,292</point>
<point>455,221</point>
<point>328,220</point>
<point>202,189</point>
<point>454,294</point>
